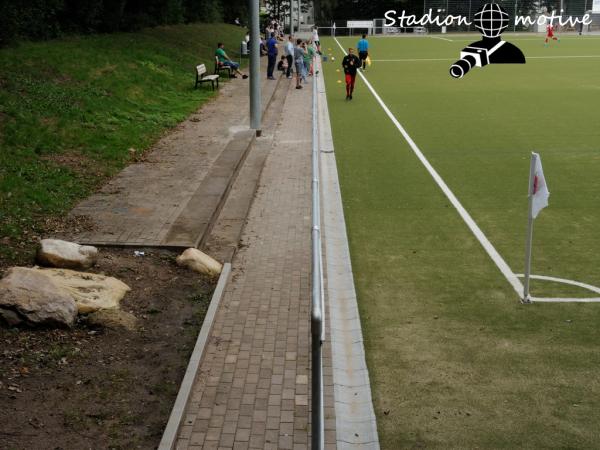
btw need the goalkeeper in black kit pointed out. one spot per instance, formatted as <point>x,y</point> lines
<point>350,63</point>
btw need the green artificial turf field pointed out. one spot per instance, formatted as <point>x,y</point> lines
<point>455,360</point>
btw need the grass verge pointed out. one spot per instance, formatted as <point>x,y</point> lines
<point>77,110</point>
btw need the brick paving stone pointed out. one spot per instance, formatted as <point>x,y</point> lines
<point>226,440</point>
<point>255,382</point>
<point>242,435</point>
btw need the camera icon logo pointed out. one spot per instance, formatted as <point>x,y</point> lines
<point>491,20</point>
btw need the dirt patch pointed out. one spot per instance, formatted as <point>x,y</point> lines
<point>104,70</point>
<point>95,388</point>
<point>78,163</point>
<point>68,224</point>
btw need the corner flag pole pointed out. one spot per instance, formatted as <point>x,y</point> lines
<point>526,298</point>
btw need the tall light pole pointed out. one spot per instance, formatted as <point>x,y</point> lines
<point>291,16</point>
<point>298,15</point>
<point>255,114</point>
<point>469,28</point>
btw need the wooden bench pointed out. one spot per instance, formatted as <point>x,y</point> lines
<point>201,77</point>
<point>220,67</point>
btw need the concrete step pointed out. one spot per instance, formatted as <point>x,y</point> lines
<point>223,241</point>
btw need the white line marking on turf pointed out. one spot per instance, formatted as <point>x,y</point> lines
<point>483,240</point>
<point>413,59</point>
<point>563,56</point>
<point>441,38</point>
<point>564,300</point>
<point>453,59</point>
<point>589,287</point>
<point>540,39</point>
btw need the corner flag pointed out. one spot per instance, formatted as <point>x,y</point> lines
<point>539,189</point>
<point>538,199</point>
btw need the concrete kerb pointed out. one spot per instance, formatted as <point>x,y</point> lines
<point>356,425</point>
<point>169,438</point>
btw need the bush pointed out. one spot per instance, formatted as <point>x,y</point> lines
<point>47,19</point>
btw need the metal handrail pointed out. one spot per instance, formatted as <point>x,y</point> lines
<point>317,312</point>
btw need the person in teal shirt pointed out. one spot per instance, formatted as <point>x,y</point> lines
<point>363,50</point>
<point>225,61</point>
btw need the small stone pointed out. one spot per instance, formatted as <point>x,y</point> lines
<point>112,319</point>
<point>200,262</point>
<point>66,255</point>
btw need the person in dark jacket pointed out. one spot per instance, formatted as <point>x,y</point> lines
<point>350,63</point>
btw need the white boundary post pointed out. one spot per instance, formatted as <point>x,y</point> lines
<point>529,239</point>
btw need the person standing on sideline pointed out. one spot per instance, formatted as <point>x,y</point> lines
<point>350,63</point>
<point>299,59</point>
<point>308,57</point>
<point>363,50</point>
<point>288,51</point>
<point>271,55</point>
<point>315,39</point>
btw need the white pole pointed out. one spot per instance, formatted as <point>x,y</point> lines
<point>529,239</point>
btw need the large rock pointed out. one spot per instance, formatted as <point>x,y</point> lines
<point>48,296</point>
<point>196,260</point>
<point>90,291</point>
<point>66,255</point>
<point>29,296</point>
<point>113,319</point>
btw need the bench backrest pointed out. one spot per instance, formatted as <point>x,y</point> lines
<point>201,69</point>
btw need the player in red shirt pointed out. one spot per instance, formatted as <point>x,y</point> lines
<point>550,34</point>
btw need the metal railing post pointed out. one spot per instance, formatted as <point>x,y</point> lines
<point>317,329</point>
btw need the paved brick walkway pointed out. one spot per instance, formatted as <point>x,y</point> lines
<point>184,166</point>
<point>252,390</point>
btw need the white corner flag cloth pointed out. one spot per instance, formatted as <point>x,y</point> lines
<point>539,192</point>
